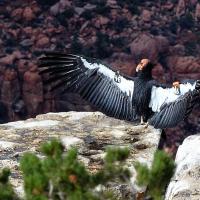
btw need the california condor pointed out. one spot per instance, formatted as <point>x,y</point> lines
<point>119,95</point>
<point>96,82</point>
<point>162,105</point>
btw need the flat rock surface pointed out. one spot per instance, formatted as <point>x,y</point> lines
<point>91,132</point>
<point>185,185</point>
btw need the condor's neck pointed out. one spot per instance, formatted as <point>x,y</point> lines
<point>145,75</point>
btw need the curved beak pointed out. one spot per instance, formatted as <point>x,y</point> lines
<point>143,63</point>
<point>139,67</point>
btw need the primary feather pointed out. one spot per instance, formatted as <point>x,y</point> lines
<point>118,95</point>
<point>96,82</point>
<point>170,108</point>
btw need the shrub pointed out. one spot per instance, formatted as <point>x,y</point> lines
<point>158,176</point>
<point>61,176</point>
<point>6,190</point>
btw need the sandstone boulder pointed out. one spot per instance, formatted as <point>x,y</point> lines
<point>140,47</point>
<point>197,12</point>
<point>32,92</point>
<point>42,42</point>
<point>124,63</point>
<point>149,46</point>
<point>17,14</point>
<point>181,8</point>
<point>146,15</point>
<point>184,67</point>
<point>28,14</point>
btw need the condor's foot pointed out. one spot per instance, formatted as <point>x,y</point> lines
<point>146,124</point>
<point>141,120</point>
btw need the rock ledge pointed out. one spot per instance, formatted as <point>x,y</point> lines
<point>90,132</point>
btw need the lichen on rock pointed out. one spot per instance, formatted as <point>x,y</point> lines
<point>90,132</point>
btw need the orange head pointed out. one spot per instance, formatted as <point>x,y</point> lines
<point>142,65</point>
<point>176,84</point>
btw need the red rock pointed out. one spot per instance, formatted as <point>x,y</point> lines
<point>193,2</point>
<point>33,67</point>
<point>168,6</point>
<point>33,93</point>
<point>10,75</point>
<point>144,46</point>
<point>158,73</point>
<point>123,62</point>
<point>148,46</point>
<point>50,30</point>
<point>17,54</point>
<point>7,60</point>
<point>162,44</point>
<point>28,30</point>
<point>181,8</point>
<point>35,7</point>
<point>55,9</point>
<point>26,43</point>
<point>89,6</point>
<point>114,13</point>
<point>53,40</point>
<point>28,14</point>
<point>146,15</point>
<point>14,33</point>
<point>9,90</point>
<point>60,7</point>
<point>111,3</point>
<point>17,14</point>
<point>197,12</point>
<point>22,65</point>
<point>178,49</point>
<point>32,78</point>
<point>184,67</point>
<point>103,20</point>
<point>85,24</point>
<point>42,42</point>
<point>33,100</point>
<point>187,64</point>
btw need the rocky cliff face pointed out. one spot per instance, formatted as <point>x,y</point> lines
<point>90,132</point>
<point>185,183</point>
<point>119,32</point>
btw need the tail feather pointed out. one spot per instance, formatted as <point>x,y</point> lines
<point>194,98</point>
<point>197,87</point>
<point>59,55</point>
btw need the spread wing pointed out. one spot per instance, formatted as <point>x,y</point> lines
<point>97,83</point>
<point>171,108</point>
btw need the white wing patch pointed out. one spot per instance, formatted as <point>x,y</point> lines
<point>126,86</point>
<point>187,87</point>
<point>160,96</point>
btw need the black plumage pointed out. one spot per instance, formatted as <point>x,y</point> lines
<point>118,95</point>
<point>172,113</point>
<point>94,81</point>
<point>162,105</point>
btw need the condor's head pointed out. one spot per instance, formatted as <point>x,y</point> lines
<point>144,69</point>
